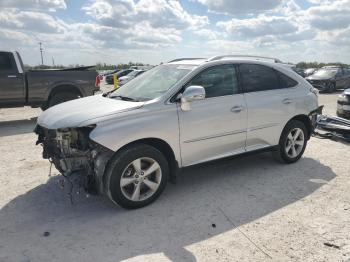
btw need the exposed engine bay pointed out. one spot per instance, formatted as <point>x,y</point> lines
<point>72,152</point>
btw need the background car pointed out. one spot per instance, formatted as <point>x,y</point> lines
<point>123,80</point>
<point>121,73</point>
<point>309,71</point>
<point>330,78</point>
<point>343,107</point>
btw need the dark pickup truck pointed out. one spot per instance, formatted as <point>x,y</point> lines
<point>42,88</point>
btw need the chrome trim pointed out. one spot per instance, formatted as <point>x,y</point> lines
<point>214,136</point>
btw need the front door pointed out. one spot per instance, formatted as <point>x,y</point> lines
<point>216,126</point>
<point>11,81</point>
<point>342,79</point>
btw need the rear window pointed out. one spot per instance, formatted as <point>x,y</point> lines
<point>286,81</point>
<point>258,78</point>
<point>5,62</point>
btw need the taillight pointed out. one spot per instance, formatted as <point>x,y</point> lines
<point>98,82</point>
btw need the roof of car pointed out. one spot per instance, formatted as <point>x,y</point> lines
<point>235,58</point>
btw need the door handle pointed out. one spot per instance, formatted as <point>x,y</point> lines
<point>287,101</point>
<point>236,109</point>
<point>12,76</point>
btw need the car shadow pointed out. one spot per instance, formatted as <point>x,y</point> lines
<point>17,127</point>
<point>207,200</point>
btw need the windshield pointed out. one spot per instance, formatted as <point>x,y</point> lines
<point>326,72</point>
<point>133,73</point>
<point>309,71</point>
<point>153,83</point>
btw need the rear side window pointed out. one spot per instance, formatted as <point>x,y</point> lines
<point>258,78</point>
<point>286,81</point>
<point>217,81</point>
<point>5,62</point>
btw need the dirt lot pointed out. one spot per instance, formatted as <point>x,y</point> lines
<point>243,209</point>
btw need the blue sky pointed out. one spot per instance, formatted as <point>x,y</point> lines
<point>154,31</point>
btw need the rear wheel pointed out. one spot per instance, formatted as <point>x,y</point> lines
<point>60,97</point>
<point>292,143</point>
<point>136,176</point>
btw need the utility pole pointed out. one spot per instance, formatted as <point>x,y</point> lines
<point>41,53</point>
<point>53,62</point>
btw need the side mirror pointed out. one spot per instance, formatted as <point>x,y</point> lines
<point>191,93</point>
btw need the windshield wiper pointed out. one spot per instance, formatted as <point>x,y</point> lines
<point>125,98</point>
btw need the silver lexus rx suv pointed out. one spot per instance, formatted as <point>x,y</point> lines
<point>127,144</point>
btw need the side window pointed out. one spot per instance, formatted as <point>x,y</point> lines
<point>5,62</point>
<point>217,81</point>
<point>339,73</point>
<point>258,78</point>
<point>286,81</point>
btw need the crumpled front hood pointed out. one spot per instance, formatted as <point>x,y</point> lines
<point>314,77</point>
<point>75,112</point>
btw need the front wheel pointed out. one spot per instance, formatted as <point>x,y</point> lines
<point>136,176</point>
<point>292,143</point>
<point>331,88</point>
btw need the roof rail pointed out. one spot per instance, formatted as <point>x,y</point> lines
<point>180,59</point>
<point>275,60</point>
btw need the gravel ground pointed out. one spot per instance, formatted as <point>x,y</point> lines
<point>241,209</point>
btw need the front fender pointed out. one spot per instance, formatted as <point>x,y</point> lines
<point>120,131</point>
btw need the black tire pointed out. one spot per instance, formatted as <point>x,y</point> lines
<point>280,153</point>
<point>61,97</point>
<point>120,162</point>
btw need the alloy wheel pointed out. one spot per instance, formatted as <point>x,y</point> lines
<point>295,142</point>
<point>141,179</point>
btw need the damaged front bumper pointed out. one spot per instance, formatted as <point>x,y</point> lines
<point>72,151</point>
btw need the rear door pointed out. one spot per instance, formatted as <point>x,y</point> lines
<point>270,104</point>
<point>12,89</point>
<point>216,126</point>
<point>343,79</point>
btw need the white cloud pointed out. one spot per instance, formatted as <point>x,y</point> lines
<point>240,6</point>
<point>209,34</point>
<point>260,26</point>
<point>51,5</point>
<point>330,16</point>
<point>158,13</point>
<point>155,30</point>
<point>31,21</point>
